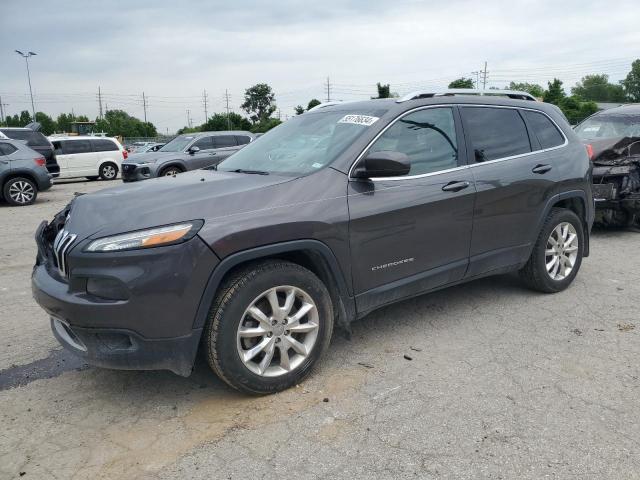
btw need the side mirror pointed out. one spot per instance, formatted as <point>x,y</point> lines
<point>383,164</point>
<point>194,149</point>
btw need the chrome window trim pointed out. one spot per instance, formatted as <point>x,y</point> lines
<point>472,165</point>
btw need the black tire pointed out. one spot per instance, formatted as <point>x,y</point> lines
<point>108,171</point>
<point>170,171</point>
<point>20,191</point>
<point>235,295</point>
<point>535,273</point>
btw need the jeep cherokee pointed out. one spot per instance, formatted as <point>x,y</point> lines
<point>328,217</point>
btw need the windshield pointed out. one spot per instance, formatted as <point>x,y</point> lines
<point>609,126</point>
<point>303,144</point>
<point>178,144</point>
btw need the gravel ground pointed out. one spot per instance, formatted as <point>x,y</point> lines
<point>483,380</point>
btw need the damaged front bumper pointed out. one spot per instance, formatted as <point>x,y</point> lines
<point>616,184</point>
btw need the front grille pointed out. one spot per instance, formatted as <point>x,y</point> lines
<point>61,246</point>
<point>128,167</point>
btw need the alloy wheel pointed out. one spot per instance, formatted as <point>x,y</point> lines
<point>278,331</point>
<point>562,251</point>
<point>109,172</point>
<point>21,192</point>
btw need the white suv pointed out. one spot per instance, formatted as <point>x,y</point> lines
<point>90,157</point>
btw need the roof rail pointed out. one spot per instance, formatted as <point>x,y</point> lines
<point>329,104</point>
<point>515,94</point>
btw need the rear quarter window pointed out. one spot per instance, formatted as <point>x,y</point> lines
<point>221,141</point>
<point>7,148</point>
<point>242,139</point>
<point>543,128</point>
<point>103,145</point>
<point>495,133</point>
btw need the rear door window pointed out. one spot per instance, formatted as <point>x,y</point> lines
<point>495,133</point>
<point>543,128</point>
<point>76,146</point>
<point>103,145</point>
<point>427,137</point>
<point>222,141</point>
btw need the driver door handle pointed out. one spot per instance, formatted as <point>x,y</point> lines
<point>455,186</point>
<point>541,168</point>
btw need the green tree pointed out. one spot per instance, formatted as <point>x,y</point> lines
<point>119,122</point>
<point>532,88</point>
<point>25,118</point>
<point>266,125</point>
<point>631,83</point>
<point>47,124</point>
<point>187,130</point>
<point>384,91</point>
<point>462,83</point>
<point>220,121</point>
<point>299,110</point>
<point>64,122</point>
<point>313,103</point>
<point>576,110</point>
<point>598,88</point>
<point>555,93</point>
<point>259,102</point>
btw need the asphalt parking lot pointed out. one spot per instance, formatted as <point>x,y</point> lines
<point>484,380</point>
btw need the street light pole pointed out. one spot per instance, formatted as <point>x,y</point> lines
<point>26,60</point>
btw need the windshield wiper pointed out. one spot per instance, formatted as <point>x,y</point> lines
<point>250,172</point>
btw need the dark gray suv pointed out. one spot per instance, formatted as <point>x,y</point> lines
<point>185,152</point>
<point>331,215</point>
<point>23,173</point>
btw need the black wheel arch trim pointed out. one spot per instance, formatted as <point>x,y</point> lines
<point>346,310</point>
<point>587,221</point>
<point>172,163</point>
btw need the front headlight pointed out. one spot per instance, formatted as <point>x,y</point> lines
<point>151,237</point>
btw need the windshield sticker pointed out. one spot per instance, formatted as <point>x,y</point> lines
<point>365,120</point>
<point>317,165</point>
<point>592,129</point>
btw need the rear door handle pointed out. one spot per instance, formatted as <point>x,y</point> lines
<point>541,168</point>
<point>212,154</point>
<point>455,186</point>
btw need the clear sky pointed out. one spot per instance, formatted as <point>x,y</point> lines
<point>175,50</point>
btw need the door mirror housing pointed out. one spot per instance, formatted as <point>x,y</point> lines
<point>194,149</point>
<point>383,164</point>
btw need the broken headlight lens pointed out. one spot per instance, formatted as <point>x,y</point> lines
<point>151,237</point>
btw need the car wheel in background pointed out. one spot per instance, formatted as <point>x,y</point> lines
<point>20,191</point>
<point>557,254</point>
<point>268,326</point>
<point>170,172</point>
<point>108,171</point>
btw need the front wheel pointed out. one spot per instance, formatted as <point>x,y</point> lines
<point>20,191</point>
<point>170,172</point>
<point>108,171</point>
<point>557,254</point>
<point>268,326</point>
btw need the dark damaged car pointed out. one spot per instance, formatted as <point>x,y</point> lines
<point>613,137</point>
<point>329,216</point>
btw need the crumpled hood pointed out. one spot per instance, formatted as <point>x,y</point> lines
<point>200,194</point>
<point>150,157</point>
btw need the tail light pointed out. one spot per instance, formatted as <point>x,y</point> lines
<point>125,154</point>
<point>40,161</point>
<point>589,151</point>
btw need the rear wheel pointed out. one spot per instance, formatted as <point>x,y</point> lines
<point>108,171</point>
<point>20,191</point>
<point>268,326</point>
<point>557,254</point>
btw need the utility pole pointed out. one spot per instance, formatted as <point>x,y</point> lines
<point>226,97</point>
<point>204,100</point>
<point>484,73</point>
<point>2,105</point>
<point>144,106</point>
<point>100,103</point>
<point>26,60</point>
<point>328,90</point>
<point>477,74</point>
<point>189,118</point>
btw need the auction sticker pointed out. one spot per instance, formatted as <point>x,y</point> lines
<point>365,120</point>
